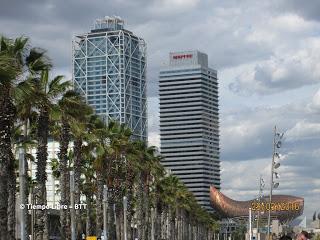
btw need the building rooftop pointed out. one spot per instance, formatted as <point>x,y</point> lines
<point>188,58</point>
<point>108,24</point>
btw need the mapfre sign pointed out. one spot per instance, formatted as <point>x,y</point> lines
<point>182,56</point>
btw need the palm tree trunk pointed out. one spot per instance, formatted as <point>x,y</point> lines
<point>146,220</point>
<point>167,217</point>
<point>99,208</point>
<point>12,201</point>
<point>77,149</point>
<point>169,223</point>
<point>163,226</point>
<point>118,224</point>
<point>64,180</point>
<point>41,175</point>
<point>89,220</point>
<point>130,213</point>
<point>130,182</point>
<point>26,216</point>
<point>172,225</point>
<point>7,115</point>
<point>140,209</point>
<point>111,218</point>
<point>158,224</point>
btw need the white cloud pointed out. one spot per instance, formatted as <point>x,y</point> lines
<point>294,61</point>
<point>179,3</point>
<point>154,139</point>
<point>153,122</point>
<point>285,70</point>
<point>292,23</point>
<point>172,7</point>
<point>304,129</point>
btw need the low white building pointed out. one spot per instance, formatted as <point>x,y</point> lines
<point>52,184</point>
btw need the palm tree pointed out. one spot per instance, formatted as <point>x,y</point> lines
<point>46,91</point>
<point>149,168</point>
<point>16,58</point>
<point>79,129</point>
<point>111,145</point>
<point>104,149</point>
<point>12,185</point>
<point>10,69</point>
<point>132,172</point>
<point>88,187</point>
<point>71,116</point>
<point>117,177</point>
<point>99,148</point>
<point>92,155</point>
<point>179,213</point>
<point>24,101</point>
<point>67,110</point>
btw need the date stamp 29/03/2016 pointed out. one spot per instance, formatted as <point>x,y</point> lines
<point>275,206</point>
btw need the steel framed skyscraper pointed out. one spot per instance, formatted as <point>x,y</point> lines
<point>109,69</point>
<point>189,122</point>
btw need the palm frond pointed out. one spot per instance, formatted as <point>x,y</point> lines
<point>9,68</point>
<point>37,60</point>
<point>57,87</point>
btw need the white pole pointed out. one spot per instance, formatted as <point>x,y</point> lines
<point>271,182</point>
<point>105,202</point>
<point>32,214</point>
<point>152,223</point>
<point>125,206</point>
<point>22,193</point>
<point>250,224</point>
<point>72,213</point>
<point>259,199</point>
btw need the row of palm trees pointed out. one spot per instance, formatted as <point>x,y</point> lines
<point>34,108</point>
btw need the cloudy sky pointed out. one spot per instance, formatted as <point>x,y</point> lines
<point>267,54</point>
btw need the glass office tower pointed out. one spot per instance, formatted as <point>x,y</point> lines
<point>109,69</point>
<point>189,122</point>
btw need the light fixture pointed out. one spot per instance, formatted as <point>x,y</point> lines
<point>280,135</point>
<point>276,165</point>
<point>276,185</point>
<point>278,145</point>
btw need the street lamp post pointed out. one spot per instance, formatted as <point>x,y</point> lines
<point>125,207</point>
<point>105,204</point>
<point>261,187</point>
<point>22,179</point>
<point>274,165</point>
<point>72,212</point>
<point>250,224</point>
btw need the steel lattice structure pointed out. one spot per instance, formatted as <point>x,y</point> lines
<point>109,69</point>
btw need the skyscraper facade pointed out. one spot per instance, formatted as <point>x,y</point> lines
<point>109,70</point>
<point>189,122</point>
